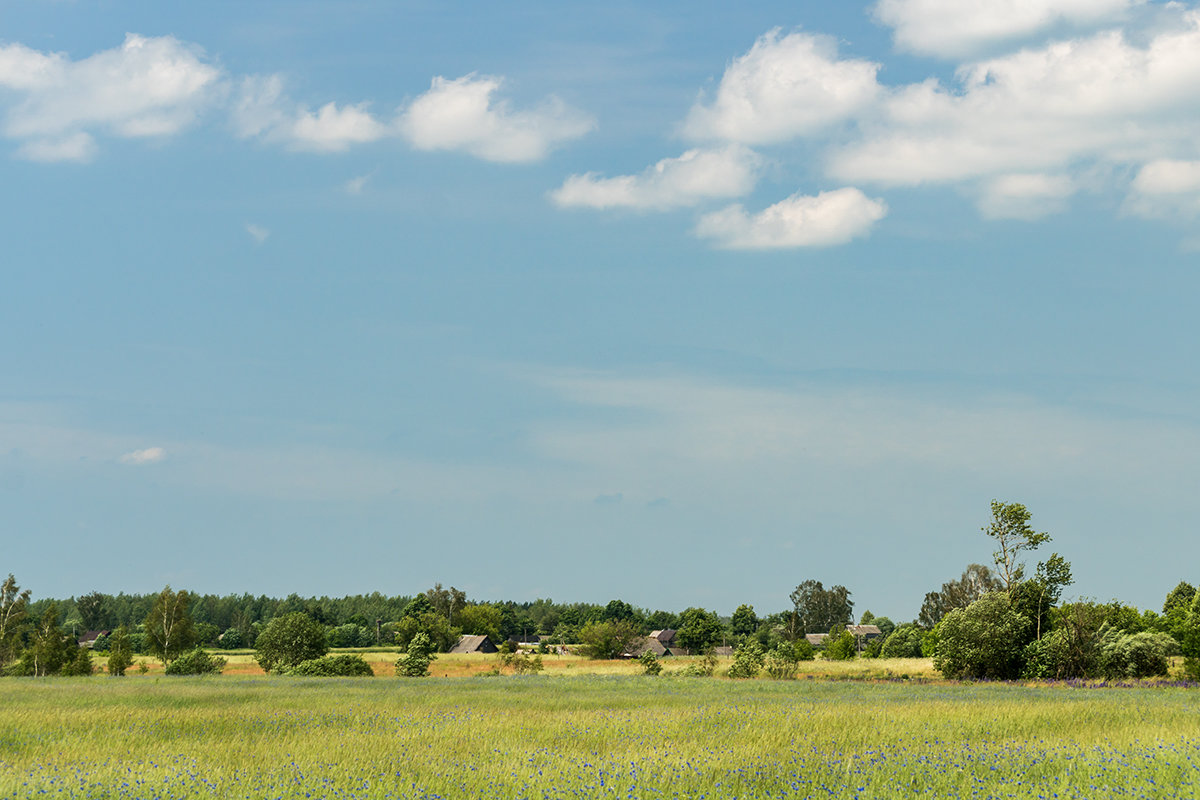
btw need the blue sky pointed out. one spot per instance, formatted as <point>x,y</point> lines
<point>682,305</point>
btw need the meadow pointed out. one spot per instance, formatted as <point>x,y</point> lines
<point>595,735</point>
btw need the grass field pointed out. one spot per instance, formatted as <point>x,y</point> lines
<point>611,736</point>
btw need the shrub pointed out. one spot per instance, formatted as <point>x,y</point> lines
<point>101,644</point>
<point>704,667</point>
<point>983,640</point>
<point>803,650</point>
<point>781,663</point>
<point>904,642</point>
<point>747,661</point>
<point>521,663</point>
<point>340,666</point>
<point>650,663</point>
<point>196,662</point>
<point>840,646</point>
<point>1134,655</point>
<point>231,639</point>
<point>415,664</point>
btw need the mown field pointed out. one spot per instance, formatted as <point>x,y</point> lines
<point>610,736</point>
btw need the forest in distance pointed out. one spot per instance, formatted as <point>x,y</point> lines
<point>998,622</point>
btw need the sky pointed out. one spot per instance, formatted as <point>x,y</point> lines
<point>677,303</point>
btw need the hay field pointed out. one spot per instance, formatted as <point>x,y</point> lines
<point>554,736</point>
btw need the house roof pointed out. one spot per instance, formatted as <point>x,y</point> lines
<point>649,644</point>
<point>665,635</point>
<point>474,644</point>
<point>816,639</point>
<point>90,637</point>
<point>864,630</point>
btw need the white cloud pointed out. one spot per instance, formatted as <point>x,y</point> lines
<point>830,218</point>
<point>149,455</point>
<point>357,184</point>
<point>954,28</point>
<point>461,114</point>
<point>1025,196</point>
<point>261,109</point>
<point>1165,188</point>
<point>1098,99</point>
<point>783,88</point>
<point>257,232</point>
<point>692,178</point>
<point>146,87</point>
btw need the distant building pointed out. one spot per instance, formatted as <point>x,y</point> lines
<point>88,639</point>
<point>474,644</point>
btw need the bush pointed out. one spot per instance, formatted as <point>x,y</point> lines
<point>840,646</point>
<point>79,663</point>
<point>650,663</point>
<point>803,650</point>
<point>416,663</point>
<point>1134,655</point>
<point>340,666</point>
<point>982,641</point>
<point>781,663</point>
<point>231,639</point>
<point>704,667</point>
<point>288,640</point>
<point>521,663</point>
<point>747,661</point>
<point>904,642</point>
<point>101,644</point>
<point>196,662</point>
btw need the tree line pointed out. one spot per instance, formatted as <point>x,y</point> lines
<point>991,622</point>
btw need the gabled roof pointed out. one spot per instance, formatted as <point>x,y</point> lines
<point>651,644</point>
<point>816,639</point>
<point>474,644</point>
<point>864,630</point>
<point>666,635</point>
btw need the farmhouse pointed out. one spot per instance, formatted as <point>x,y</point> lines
<point>474,644</point>
<point>88,639</point>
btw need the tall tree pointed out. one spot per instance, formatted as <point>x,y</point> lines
<point>744,621</point>
<point>699,630</point>
<point>976,581</point>
<point>819,609</point>
<point>169,630</point>
<point>13,604</point>
<point>1011,529</point>
<point>446,601</point>
<point>93,610</point>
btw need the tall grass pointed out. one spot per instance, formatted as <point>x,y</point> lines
<point>592,736</point>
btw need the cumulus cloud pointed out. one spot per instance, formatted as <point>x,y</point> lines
<point>150,455</point>
<point>693,177</point>
<point>257,232</point>
<point>462,114</point>
<point>261,109</point>
<point>782,88</point>
<point>1166,188</point>
<point>953,28</point>
<point>1100,98</point>
<point>149,86</point>
<point>829,218</point>
<point>1025,196</point>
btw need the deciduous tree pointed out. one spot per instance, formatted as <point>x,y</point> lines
<point>288,640</point>
<point>169,629</point>
<point>818,609</point>
<point>1014,535</point>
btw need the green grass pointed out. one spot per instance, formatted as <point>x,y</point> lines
<point>590,736</point>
